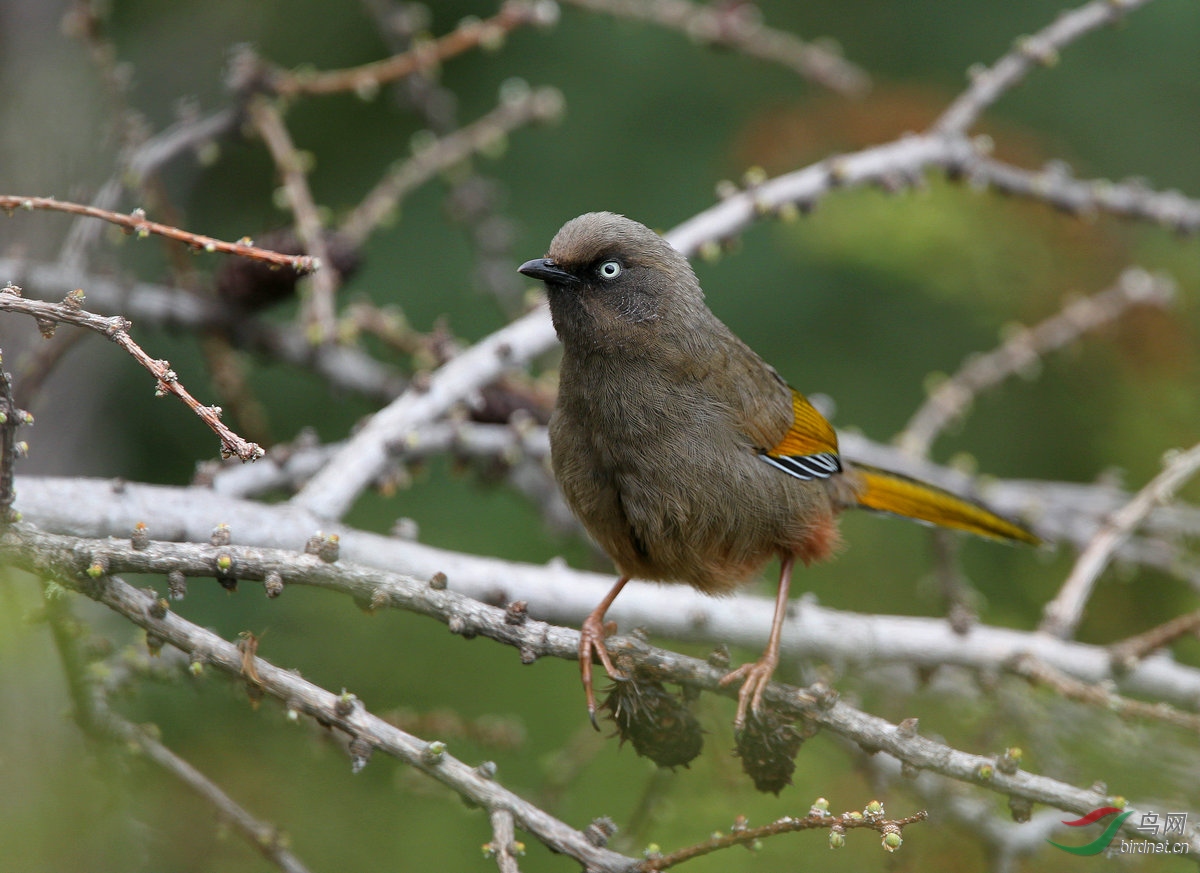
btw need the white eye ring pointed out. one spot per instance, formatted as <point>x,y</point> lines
<point>610,269</point>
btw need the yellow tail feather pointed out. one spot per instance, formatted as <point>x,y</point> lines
<point>889,492</point>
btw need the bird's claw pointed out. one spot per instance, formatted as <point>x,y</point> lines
<point>755,678</point>
<point>591,643</point>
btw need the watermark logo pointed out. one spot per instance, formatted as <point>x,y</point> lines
<point>1152,824</point>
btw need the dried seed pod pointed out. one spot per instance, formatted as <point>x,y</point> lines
<point>767,746</point>
<point>658,723</point>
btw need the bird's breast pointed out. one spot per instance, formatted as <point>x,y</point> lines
<point>661,476</point>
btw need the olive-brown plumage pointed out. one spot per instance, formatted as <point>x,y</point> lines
<point>684,454</point>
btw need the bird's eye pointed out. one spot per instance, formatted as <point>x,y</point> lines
<point>610,269</point>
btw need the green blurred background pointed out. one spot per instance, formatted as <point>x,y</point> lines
<point>861,301</point>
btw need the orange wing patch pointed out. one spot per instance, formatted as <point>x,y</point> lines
<point>809,449</point>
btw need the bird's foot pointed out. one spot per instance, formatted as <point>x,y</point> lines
<point>591,642</point>
<point>755,678</point>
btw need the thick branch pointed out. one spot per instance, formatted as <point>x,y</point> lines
<point>77,563</point>
<point>341,711</point>
<point>555,592</point>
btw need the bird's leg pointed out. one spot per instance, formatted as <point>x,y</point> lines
<point>756,676</point>
<point>591,640</point>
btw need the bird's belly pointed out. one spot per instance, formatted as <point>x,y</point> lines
<point>682,504</point>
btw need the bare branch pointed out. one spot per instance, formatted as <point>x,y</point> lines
<point>1063,613</point>
<point>369,78</point>
<point>1129,651</point>
<point>739,27</point>
<point>951,398</point>
<point>1055,186</point>
<point>264,837</point>
<point>116,328</point>
<point>333,491</point>
<point>517,109</point>
<point>137,224</point>
<point>1036,672</point>
<point>815,820</point>
<point>319,308</point>
<point>504,846</point>
<point>10,419</point>
<point>343,711</point>
<point>85,567</point>
<point>342,367</point>
<point>1039,50</point>
<point>553,592</point>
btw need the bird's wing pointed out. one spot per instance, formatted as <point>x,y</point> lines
<point>809,449</point>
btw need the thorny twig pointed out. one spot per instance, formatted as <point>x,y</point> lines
<point>1055,186</point>
<point>952,398</point>
<point>343,712</point>
<point>344,368</point>
<point>558,593</point>
<point>264,837</point>
<point>116,328</point>
<point>137,224</point>
<point>1063,613</point>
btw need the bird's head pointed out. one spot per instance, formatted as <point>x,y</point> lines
<point>614,282</point>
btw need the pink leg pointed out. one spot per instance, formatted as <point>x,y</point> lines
<point>756,676</point>
<point>591,641</point>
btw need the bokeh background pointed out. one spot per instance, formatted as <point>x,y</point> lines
<point>861,301</point>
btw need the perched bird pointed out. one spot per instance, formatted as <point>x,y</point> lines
<point>684,454</point>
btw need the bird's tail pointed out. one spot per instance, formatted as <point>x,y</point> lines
<point>882,491</point>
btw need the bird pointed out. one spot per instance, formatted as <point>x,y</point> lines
<point>684,454</point>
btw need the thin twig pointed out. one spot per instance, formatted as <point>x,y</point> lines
<point>319,309</point>
<point>738,27</point>
<point>1128,652</point>
<point>137,224</point>
<point>515,111</point>
<point>1039,672</point>
<point>748,836</point>
<point>1062,615</point>
<point>953,397</point>
<point>504,847</point>
<point>116,328</point>
<point>342,367</point>
<point>266,838</point>
<point>368,78</point>
<point>1039,50</point>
